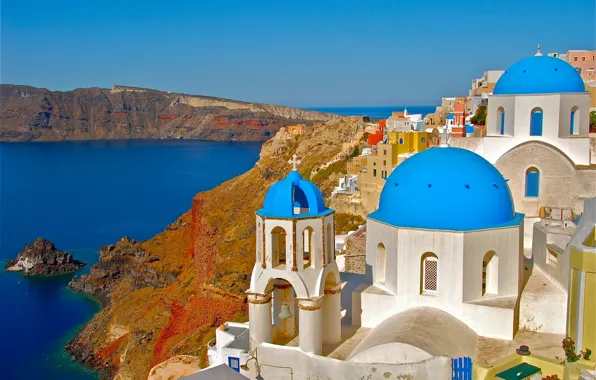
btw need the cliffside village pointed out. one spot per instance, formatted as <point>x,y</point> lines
<point>478,258</point>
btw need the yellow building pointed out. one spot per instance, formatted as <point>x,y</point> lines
<point>581,312</point>
<point>399,146</point>
<point>591,88</point>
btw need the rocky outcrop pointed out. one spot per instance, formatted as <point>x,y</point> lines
<point>125,259</point>
<point>36,114</point>
<point>42,258</point>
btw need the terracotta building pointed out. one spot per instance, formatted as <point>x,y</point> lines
<point>584,61</point>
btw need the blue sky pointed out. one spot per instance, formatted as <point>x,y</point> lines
<point>299,53</point>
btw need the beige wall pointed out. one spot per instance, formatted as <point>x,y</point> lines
<point>561,184</point>
<point>305,366</point>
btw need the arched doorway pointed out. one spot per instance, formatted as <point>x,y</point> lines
<point>278,247</point>
<point>536,122</point>
<point>490,273</point>
<point>332,309</point>
<point>284,312</point>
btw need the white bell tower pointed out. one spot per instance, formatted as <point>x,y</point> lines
<point>295,285</point>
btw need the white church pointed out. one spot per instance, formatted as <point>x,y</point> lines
<point>444,250</point>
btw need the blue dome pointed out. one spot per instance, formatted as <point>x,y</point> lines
<point>446,189</point>
<point>293,192</point>
<point>539,75</point>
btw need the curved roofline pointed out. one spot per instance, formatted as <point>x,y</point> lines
<point>268,215</point>
<point>544,94</point>
<point>540,142</point>
<point>515,222</point>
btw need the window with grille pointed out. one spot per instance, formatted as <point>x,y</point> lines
<point>430,271</point>
<point>552,258</point>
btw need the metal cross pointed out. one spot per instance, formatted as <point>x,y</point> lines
<point>294,161</point>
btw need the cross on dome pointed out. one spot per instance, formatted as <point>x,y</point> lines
<point>294,162</point>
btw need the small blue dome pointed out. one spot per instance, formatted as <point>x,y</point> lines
<point>446,189</point>
<point>293,192</point>
<point>539,75</point>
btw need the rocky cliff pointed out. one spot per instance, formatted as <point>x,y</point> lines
<point>165,296</point>
<point>36,114</point>
<point>42,258</point>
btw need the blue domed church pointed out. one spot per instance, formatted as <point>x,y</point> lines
<point>445,237</point>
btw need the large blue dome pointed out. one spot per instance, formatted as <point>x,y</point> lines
<point>539,75</point>
<point>294,193</point>
<point>446,188</point>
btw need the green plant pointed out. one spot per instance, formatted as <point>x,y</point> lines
<point>355,152</point>
<point>593,122</point>
<point>551,377</point>
<point>570,351</point>
<point>480,117</point>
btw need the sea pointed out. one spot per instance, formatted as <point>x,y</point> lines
<point>375,112</point>
<point>82,196</point>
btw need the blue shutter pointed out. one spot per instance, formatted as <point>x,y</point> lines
<point>503,122</point>
<point>532,183</point>
<point>572,123</point>
<point>536,124</point>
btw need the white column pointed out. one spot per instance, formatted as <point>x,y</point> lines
<point>311,326</point>
<point>332,316</point>
<point>259,317</point>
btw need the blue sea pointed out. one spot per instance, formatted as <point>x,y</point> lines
<point>81,196</point>
<point>375,112</point>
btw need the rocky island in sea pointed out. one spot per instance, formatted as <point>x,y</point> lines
<point>42,258</point>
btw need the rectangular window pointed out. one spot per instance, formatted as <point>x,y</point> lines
<point>430,275</point>
<point>552,258</point>
<point>234,363</point>
<point>384,162</point>
<point>374,172</point>
<point>532,183</point>
<point>583,58</point>
<point>384,152</point>
<point>574,59</point>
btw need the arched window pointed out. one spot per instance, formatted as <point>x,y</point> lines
<point>536,122</point>
<point>490,273</point>
<point>501,120</point>
<point>278,245</point>
<point>574,121</point>
<point>401,141</point>
<point>429,276</point>
<point>532,182</point>
<point>381,263</point>
<point>330,244</point>
<point>308,246</point>
<point>259,243</point>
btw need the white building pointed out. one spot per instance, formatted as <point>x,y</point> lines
<point>348,184</point>
<point>460,255</point>
<point>538,135</point>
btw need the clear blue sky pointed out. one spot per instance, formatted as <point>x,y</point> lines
<point>299,53</point>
